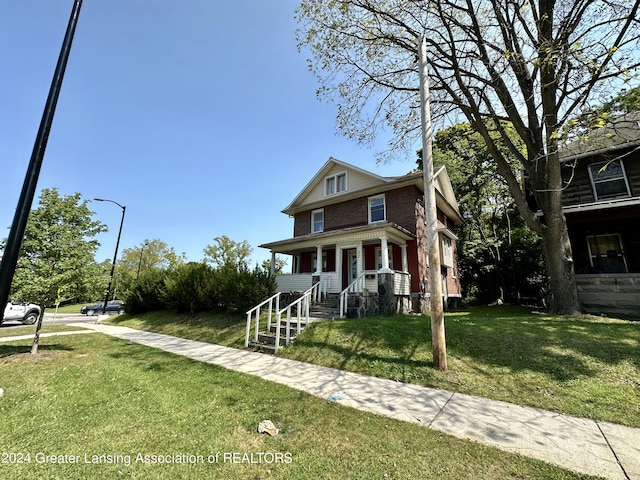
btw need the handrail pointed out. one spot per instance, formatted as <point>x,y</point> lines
<point>275,298</point>
<point>315,293</point>
<point>356,286</point>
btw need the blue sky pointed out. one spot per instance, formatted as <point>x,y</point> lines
<point>200,116</point>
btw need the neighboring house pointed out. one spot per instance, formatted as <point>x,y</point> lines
<point>366,234</point>
<point>601,203</point>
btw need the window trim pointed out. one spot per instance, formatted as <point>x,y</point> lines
<point>336,183</point>
<point>384,208</point>
<point>593,182</point>
<point>593,255</point>
<point>313,222</point>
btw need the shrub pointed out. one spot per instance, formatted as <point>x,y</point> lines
<point>192,288</point>
<point>148,293</point>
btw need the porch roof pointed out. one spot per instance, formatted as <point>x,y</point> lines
<point>391,231</point>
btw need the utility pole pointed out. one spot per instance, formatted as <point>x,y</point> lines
<point>16,234</point>
<point>439,344</point>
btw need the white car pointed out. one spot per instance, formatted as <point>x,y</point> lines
<point>27,313</point>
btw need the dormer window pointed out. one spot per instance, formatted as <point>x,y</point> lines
<point>335,184</point>
<point>608,180</point>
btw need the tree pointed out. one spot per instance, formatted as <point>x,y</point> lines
<point>533,64</point>
<point>228,253</point>
<point>57,251</point>
<point>499,257</point>
<point>150,255</point>
<point>278,267</point>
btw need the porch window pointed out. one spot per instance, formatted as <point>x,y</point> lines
<point>607,254</point>
<point>379,257</point>
<point>377,210</point>
<point>608,180</point>
<point>317,221</point>
<point>335,184</point>
<point>315,262</point>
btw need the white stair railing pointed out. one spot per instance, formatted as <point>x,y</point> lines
<point>356,286</point>
<point>274,307</point>
<point>303,307</point>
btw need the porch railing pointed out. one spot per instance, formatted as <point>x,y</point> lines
<point>302,308</point>
<point>273,308</point>
<point>356,286</point>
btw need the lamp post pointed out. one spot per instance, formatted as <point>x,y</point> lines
<point>145,244</point>
<point>115,255</point>
<point>16,234</point>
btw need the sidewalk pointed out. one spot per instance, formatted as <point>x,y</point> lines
<point>581,445</point>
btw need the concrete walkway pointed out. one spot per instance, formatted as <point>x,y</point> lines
<point>581,445</point>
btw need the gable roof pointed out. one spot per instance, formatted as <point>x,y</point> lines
<point>318,180</point>
<point>364,183</point>
<point>620,133</point>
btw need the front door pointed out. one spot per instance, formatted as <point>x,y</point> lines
<point>353,266</point>
<point>349,266</point>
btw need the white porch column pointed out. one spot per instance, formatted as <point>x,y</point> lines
<point>384,253</point>
<point>405,259</point>
<point>359,259</point>
<point>273,262</point>
<point>319,260</point>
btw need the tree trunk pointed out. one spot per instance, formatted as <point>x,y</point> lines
<point>559,260</point>
<point>36,337</point>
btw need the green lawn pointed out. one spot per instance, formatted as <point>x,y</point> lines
<point>31,330</point>
<point>585,366</point>
<point>122,410</point>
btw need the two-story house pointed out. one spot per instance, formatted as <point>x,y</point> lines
<point>601,203</point>
<point>366,234</point>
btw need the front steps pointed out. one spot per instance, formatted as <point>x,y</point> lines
<point>326,310</point>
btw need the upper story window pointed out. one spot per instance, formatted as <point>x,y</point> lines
<point>609,180</point>
<point>377,209</point>
<point>317,221</point>
<point>335,184</point>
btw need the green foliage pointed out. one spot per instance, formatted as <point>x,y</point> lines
<point>197,287</point>
<point>57,252</point>
<point>252,287</point>
<point>627,101</point>
<point>192,288</point>
<point>148,293</point>
<point>228,253</point>
<point>498,255</point>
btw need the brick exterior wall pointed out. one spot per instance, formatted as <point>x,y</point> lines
<point>404,207</point>
<point>399,204</point>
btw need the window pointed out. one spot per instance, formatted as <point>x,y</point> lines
<point>608,180</point>
<point>335,184</point>
<point>317,221</point>
<point>447,251</point>
<point>377,212</point>
<point>379,257</point>
<point>607,254</point>
<point>315,262</point>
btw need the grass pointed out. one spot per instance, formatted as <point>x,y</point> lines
<point>584,366</point>
<point>31,330</point>
<point>110,404</point>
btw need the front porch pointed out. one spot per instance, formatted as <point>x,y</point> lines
<point>355,263</point>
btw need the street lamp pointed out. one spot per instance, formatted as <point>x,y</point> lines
<point>145,244</point>
<point>115,255</point>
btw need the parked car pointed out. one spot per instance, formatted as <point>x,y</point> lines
<point>113,306</point>
<point>25,312</point>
